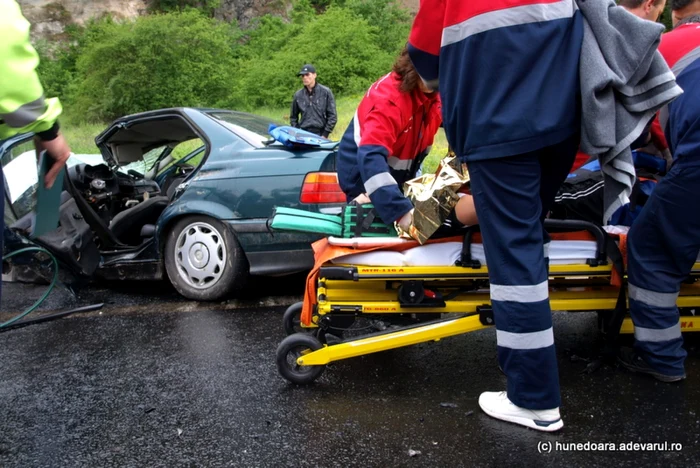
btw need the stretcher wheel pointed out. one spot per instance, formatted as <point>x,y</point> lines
<point>292,348</point>
<point>291,320</point>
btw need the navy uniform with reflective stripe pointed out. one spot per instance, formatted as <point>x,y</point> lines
<point>664,242</point>
<point>508,77</point>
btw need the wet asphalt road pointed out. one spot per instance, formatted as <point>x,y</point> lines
<point>157,381</point>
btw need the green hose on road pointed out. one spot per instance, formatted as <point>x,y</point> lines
<point>48,290</point>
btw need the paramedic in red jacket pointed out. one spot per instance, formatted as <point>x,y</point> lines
<point>664,241</point>
<point>385,143</point>
<point>507,72</point>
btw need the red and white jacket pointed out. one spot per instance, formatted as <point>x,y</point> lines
<point>384,144</point>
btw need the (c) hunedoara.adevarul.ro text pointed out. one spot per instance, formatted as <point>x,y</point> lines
<point>549,447</point>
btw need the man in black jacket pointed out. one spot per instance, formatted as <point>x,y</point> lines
<point>315,103</point>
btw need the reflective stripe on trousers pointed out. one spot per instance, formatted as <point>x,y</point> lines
<point>511,196</point>
<point>662,247</point>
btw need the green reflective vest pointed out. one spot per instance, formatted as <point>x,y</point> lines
<point>23,107</point>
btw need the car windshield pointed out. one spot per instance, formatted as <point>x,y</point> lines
<point>166,156</point>
<point>148,162</point>
<point>251,128</point>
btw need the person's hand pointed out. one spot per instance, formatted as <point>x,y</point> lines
<point>405,221</point>
<point>325,135</point>
<point>666,154</point>
<point>362,199</point>
<point>59,150</point>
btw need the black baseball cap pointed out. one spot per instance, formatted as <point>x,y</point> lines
<point>306,69</point>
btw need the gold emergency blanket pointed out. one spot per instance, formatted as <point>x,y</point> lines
<point>434,196</point>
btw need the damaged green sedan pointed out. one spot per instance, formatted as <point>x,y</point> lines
<point>184,194</point>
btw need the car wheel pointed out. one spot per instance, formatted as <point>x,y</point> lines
<point>203,259</point>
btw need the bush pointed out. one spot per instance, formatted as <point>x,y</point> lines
<point>168,6</point>
<point>176,59</point>
<point>666,17</point>
<point>394,23</point>
<point>185,58</point>
<point>55,68</point>
<point>344,48</point>
<point>57,61</point>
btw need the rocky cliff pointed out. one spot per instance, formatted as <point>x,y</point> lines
<point>50,17</point>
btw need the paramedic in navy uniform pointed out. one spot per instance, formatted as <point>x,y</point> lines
<point>507,72</point>
<point>663,243</point>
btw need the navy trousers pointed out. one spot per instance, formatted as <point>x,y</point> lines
<point>662,246</point>
<point>512,197</point>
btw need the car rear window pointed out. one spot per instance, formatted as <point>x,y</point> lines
<point>250,127</point>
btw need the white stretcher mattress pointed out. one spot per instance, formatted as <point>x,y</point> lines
<point>571,252</point>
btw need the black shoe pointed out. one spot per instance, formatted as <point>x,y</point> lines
<point>633,362</point>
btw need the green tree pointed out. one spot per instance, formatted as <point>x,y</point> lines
<point>167,6</point>
<point>156,61</point>
<point>185,58</point>
<point>393,21</point>
<point>57,64</point>
<point>666,17</point>
<point>343,46</point>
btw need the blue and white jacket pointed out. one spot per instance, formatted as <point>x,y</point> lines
<point>507,72</point>
<point>681,119</point>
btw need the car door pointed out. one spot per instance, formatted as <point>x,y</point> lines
<point>72,242</point>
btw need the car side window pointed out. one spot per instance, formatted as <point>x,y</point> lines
<point>185,153</point>
<point>186,148</point>
<point>27,146</point>
<point>21,179</point>
<point>17,151</point>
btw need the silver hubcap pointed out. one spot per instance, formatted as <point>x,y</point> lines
<point>200,255</point>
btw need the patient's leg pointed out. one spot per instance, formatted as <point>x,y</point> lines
<point>465,211</point>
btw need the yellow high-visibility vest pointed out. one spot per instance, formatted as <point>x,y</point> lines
<point>23,107</point>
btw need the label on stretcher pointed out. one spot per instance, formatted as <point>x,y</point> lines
<point>380,309</point>
<point>374,271</point>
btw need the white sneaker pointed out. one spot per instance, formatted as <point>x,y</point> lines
<point>497,405</point>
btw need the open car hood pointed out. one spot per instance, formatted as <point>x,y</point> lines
<point>128,139</point>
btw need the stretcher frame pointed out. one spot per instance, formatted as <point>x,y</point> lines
<point>406,294</point>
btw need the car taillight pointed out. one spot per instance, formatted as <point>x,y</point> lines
<point>321,187</point>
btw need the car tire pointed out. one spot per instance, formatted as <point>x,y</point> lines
<point>203,259</point>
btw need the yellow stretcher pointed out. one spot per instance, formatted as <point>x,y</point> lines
<point>362,309</point>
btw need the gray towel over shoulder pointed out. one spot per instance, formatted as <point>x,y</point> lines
<point>624,82</point>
